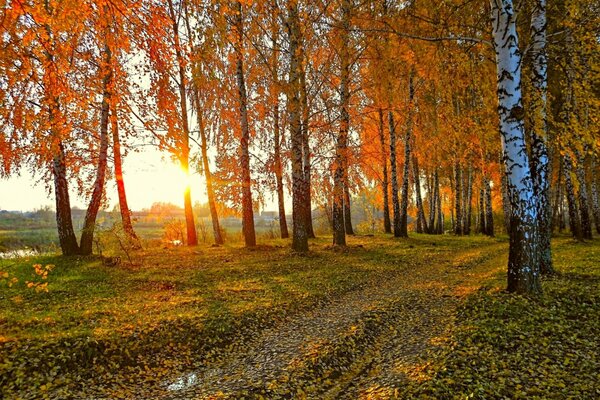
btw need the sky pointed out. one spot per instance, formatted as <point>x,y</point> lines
<point>149,177</point>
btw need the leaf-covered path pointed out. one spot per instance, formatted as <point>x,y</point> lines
<point>368,342</point>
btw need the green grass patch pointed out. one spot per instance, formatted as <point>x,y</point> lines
<point>175,308</point>
<point>510,346</point>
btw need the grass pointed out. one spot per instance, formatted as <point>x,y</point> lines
<point>178,301</point>
<point>179,306</point>
<point>518,347</point>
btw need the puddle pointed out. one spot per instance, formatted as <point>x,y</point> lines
<point>18,254</point>
<point>184,382</point>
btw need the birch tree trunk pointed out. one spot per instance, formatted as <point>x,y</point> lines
<point>122,193</point>
<point>438,199</point>
<point>306,147</point>
<point>196,102</point>
<point>387,224</point>
<point>421,221</point>
<point>210,190</point>
<point>184,150</point>
<point>64,222</point>
<point>594,190</point>
<point>247,209</point>
<point>574,221</point>
<point>584,204</point>
<point>482,228</point>
<point>467,206</point>
<point>283,229</point>
<point>458,189</point>
<point>540,161</point>
<point>89,226</point>
<point>407,153</point>
<point>523,260</point>
<point>339,229</point>
<point>347,205</point>
<point>299,203</point>
<point>394,169</point>
<point>489,212</point>
<point>279,172</point>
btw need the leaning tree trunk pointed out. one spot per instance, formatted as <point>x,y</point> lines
<point>118,162</point>
<point>594,190</point>
<point>306,148</point>
<point>407,152</point>
<point>341,156</point>
<point>523,259</point>
<point>394,169</point>
<point>574,221</point>
<point>89,226</point>
<point>387,224</point>
<point>421,221</point>
<point>247,210</point>
<point>584,207</point>
<point>540,161</point>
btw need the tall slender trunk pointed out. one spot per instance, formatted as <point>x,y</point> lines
<point>210,190</point>
<point>506,210</point>
<point>184,151</point>
<point>558,201</point>
<point>341,156</point>
<point>482,228</point>
<point>431,201</point>
<point>387,224</point>
<point>594,192</point>
<point>584,206</point>
<point>438,199</point>
<point>64,222</point>
<point>122,193</point>
<point>458,199</point>
<point>347,206</point>
<point>89,226</point>
<point>306,147</point>
<point>523,259</point>
<point>394,169</point>
<point>279,172</point>
<point>489,212</point>
<point>299,203</point>
<point>421,221</point>
<point>467,204</point>
<point>247,207</point>
<point>540,161</point>
<point>407,152</point>
<point>574,221</point>
<point>283,229</point>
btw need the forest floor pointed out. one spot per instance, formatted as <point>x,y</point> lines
<point>422,317</point>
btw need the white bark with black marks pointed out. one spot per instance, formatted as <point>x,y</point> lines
<point>523,263</point>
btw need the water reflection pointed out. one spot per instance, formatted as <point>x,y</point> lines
<point>184,382</point>
<point>18,253</point>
